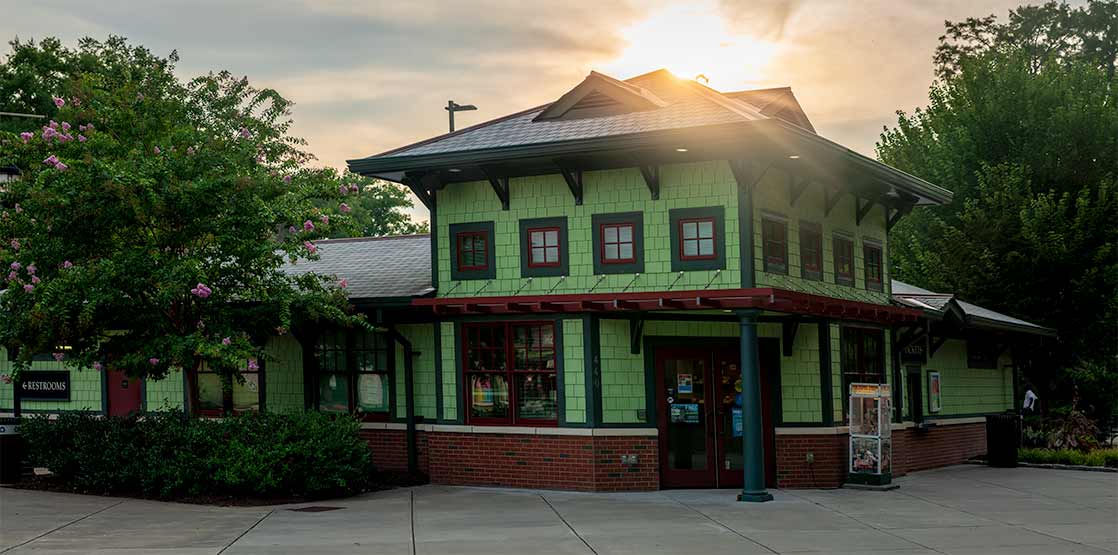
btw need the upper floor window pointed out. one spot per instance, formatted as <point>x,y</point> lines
<point>618,242</point>
<point>774,237</point>
<point>472,249</point>
<point>872,257</point>
<point>811,251</point>
<point>353,372</point>
<point>844,260</point>
<point>543,247</point>
<point>510,370</point>
<point>863,357</point>
<point>698,238</point>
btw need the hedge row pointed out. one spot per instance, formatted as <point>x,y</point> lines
<point>1098,457</point>
<point>171,457</point>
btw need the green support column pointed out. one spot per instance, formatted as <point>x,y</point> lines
<point>753,433</point>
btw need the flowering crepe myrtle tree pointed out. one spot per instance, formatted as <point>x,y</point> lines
<point>153,219</point>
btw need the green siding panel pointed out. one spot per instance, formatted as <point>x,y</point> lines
<point>450,371</point>
<point>623,190</point>
<point>165,395</point>
<point>422,338</point>
<point>965,390</point>
<point>283,381</point>
<point>574,373</point>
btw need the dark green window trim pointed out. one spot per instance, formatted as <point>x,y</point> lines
<point>490,271</point>
<point>527,270</point>
<point>715,213</point>
<point>637,221</point>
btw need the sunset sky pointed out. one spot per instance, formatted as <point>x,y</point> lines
<point>369,76</point>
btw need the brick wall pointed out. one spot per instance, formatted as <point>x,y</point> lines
<point>793,470</point>
<point>585,463</point>
<point>937,446</point>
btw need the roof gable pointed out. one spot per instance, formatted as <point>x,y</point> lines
<point>777,102</point>
<point>600,95</point>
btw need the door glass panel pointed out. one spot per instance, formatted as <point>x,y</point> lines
<point>728,388</point>
<point>687,427</point>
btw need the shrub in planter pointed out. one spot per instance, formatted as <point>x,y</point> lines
<point>167,456</point>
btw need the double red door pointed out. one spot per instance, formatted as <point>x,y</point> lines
<point>700,409</point>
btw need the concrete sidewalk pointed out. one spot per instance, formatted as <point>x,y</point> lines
<point>959,510</point>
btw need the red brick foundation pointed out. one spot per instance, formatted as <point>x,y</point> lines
<point>942,445</point>
<point>545,461</point>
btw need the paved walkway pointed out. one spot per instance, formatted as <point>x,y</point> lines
<point>965,509</point>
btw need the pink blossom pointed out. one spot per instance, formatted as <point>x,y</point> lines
<point>353,188</point>
<point>12,275</point>
<point>325,219</point>
<point>16,265</point>
<point>61,167</point>
<point>65,138</point>
<point>35,280</point>
<point>81,127</point>
<point>15,245</point>
<point>59,356</point>
<point>97,366</point>
<point>287,179</point>
<point>343,283</point>
<point>89,127</point>
<point>26,136</point>
<point>201,291</point>
<point>226,341</point>
<point>342,189</point>
<point>31,269</point>
<point>67,264</point>
<point>50,160</point>
<point>28,288</point>
<point>18,208</point>
<point>65,126</point>
<point>308,226</point>
<point>311,247</point>
<point>245,133</point>
<point>53,124</point>
<point>82,139</point>
<point>156,150</point>
<point>253,365</point>
<point>344,208</point>
<point>153,361</point>
<point>291,229</point>
<point>260,157</point>
<point>189,151</point>
<point>58,102</point>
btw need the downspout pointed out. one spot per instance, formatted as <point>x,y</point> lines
<point>409,399</point>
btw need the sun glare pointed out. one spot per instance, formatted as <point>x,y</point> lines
<point>690,41</point>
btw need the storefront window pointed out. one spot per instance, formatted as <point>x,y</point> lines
<point>517,354</point>
<point>353,372</point>
<point>863,358</point>
<point>218,395</point>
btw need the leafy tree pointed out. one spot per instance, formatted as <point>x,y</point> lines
<point>1023,128</point>
<point>153,219</point>
<point>378,210</point>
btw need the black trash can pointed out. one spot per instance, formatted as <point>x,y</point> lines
<point>1003,436</point>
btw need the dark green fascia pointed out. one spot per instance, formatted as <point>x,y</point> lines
<point>979,322</point>
<point>596,223</point>
<point>718,214</point>
<point>564,259</point>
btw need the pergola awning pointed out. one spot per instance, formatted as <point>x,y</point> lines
<point>777,300</point>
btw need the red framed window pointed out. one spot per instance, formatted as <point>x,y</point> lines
<point>473,250</point>
<point>844,261</point>
<point>774,237</point>
<point>872,258</point>
<point>543,247</point>
<point>811,251</point>
<point>696,239</point>
<point>510,370</point>
<point>618,244</point>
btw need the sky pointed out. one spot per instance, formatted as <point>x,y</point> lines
<point>368,76</point>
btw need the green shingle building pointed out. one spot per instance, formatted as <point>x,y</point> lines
<point>643,284</point>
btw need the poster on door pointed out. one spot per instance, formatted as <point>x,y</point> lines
<point>683,382</point>
<point>685,413</point>
<point>735,421</point>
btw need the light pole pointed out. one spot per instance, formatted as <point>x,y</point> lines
<point>452,106</point>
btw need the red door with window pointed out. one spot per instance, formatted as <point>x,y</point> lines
<point>125,394</point>
<point>700,416</point>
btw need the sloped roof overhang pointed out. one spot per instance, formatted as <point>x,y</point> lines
<point>771,141</point>
<point>778,300</point>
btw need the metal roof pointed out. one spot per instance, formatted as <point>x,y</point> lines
<point>940,303</point>
<point>376,267</point>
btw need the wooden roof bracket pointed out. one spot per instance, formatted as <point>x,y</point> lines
<point>788,335</point>
<point>636,332</point>
<point>573,177</point>
<point>935,344</point>
<point>419,186</point>
<point>500,185</point>
<point>895,216</point>
<point>796,187</point>
<point>863,209</point>
<point>651,176</point>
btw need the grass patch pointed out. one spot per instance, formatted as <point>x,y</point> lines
<point>1098,457</point>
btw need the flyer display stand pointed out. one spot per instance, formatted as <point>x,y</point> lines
<point>871,438</point>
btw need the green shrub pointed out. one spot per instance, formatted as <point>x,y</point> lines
<point>1098,457</point>
<point>167,456</point>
